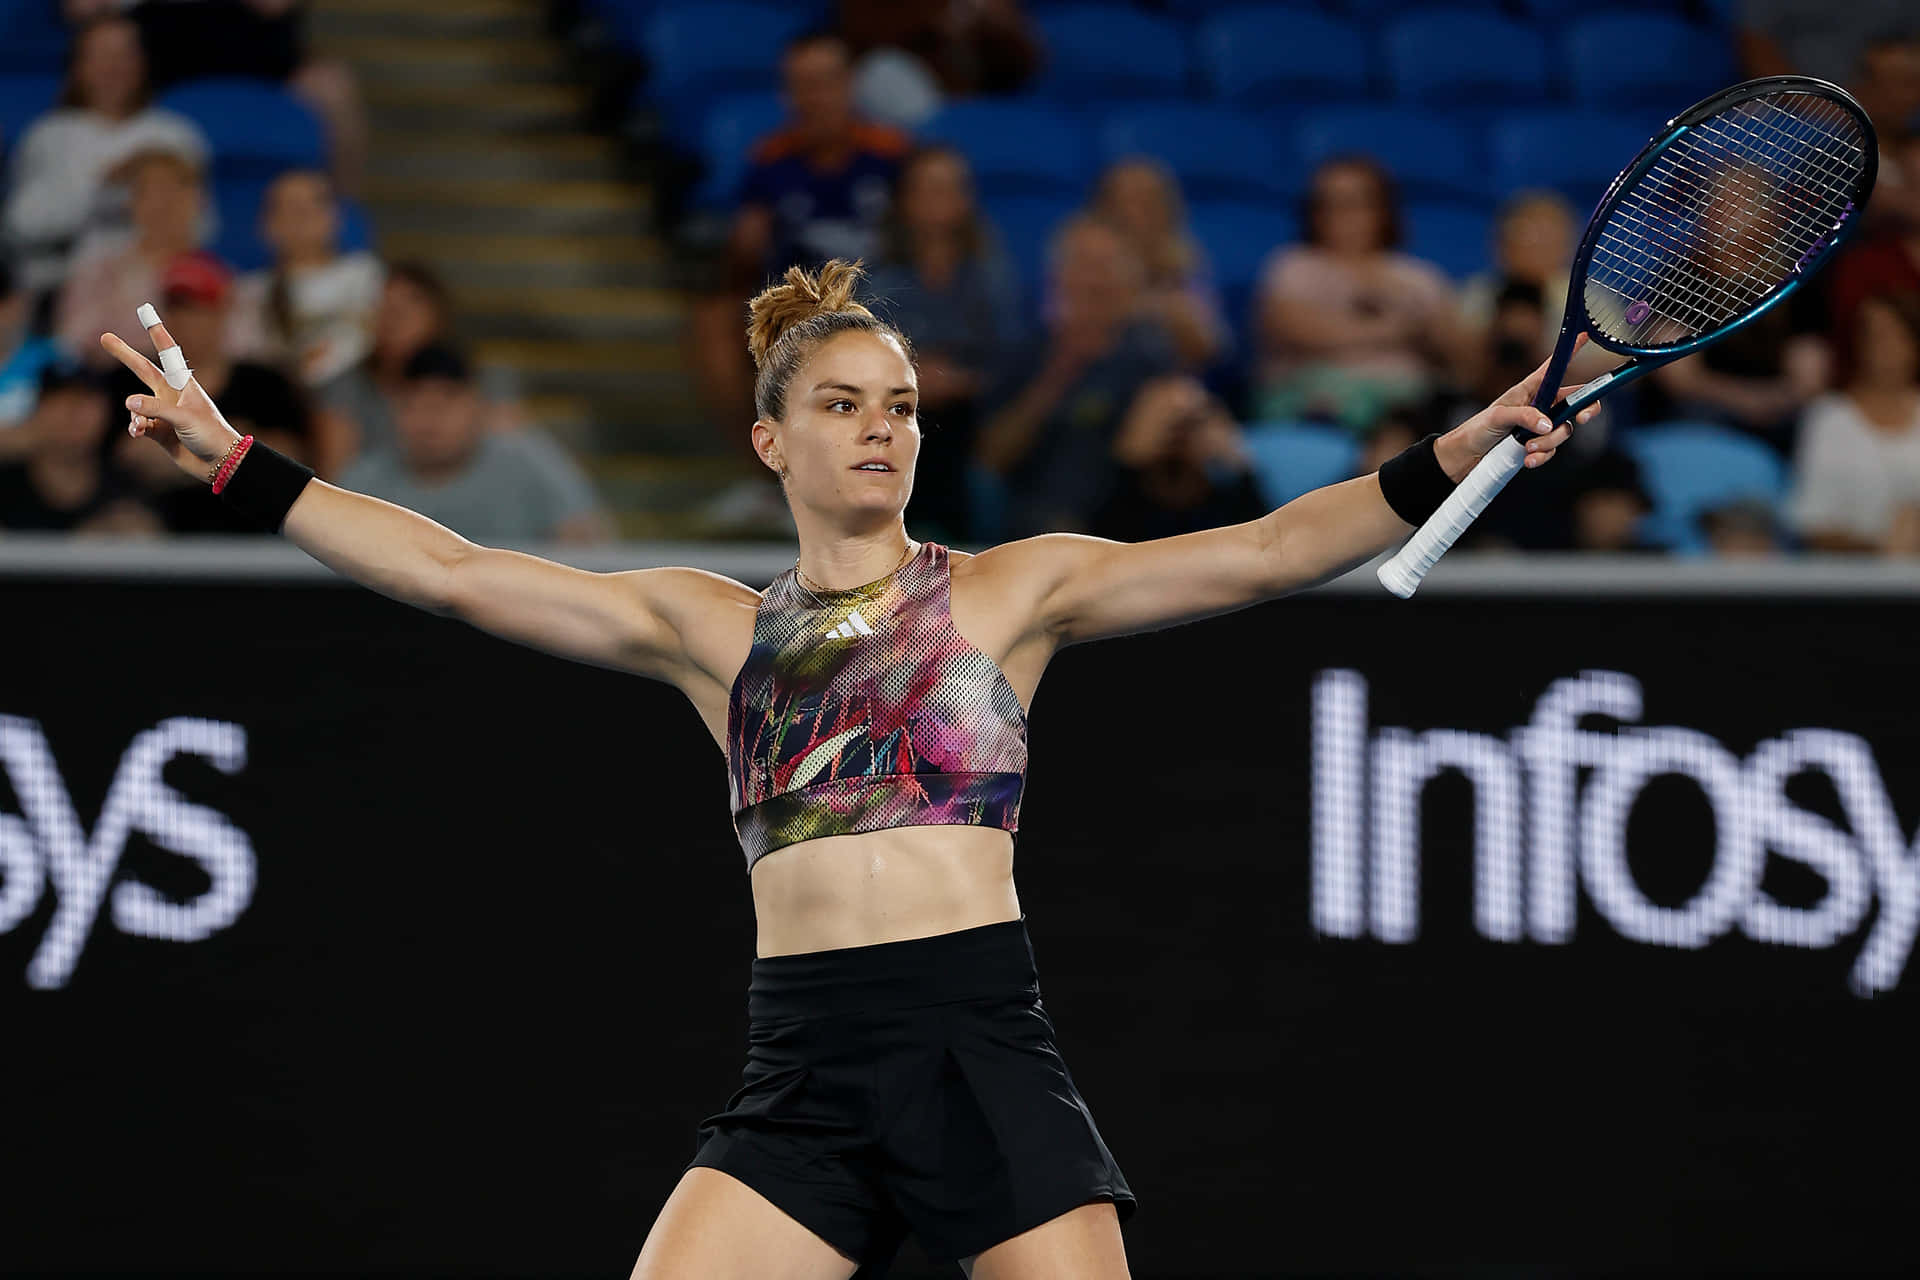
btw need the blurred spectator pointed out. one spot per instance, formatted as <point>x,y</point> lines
<point>195,297</point>
<point>1606,500</point>
<point>1748,527</point>
<point>1183,466</point>
<point>1857,473</point>
<point>1349,327</point>
<point>1838,42</point>
<point>1142,198</point>
<point>497,487</point>
<point>1533,245</point>
<point>1888,259</point>
<point>818,188</point>
<point>415,312</point>
<point>22,357</point>
<point>313,312</point>
<point>984,46</point>
<point>260,39</point>
<point>102,295</point>
<point>946,282</point>
<point>63,482</point>
<point>58,188</point>
<point>1060,402</point>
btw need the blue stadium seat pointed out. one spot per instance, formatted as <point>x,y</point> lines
<point>1454,236</point>
<point>1283,54</point>
<point>1215,151</point>
<point>1691,468</point>
<point>727,134</point>
<point>256,129</point>
<point>693,46</point>
<point>1461,57</point>
<point>1651,59</point>
<point>1427,155</point>
<point>1373,10</point>
<point>1292,458</point>
<point>1573,151</point>
<point>23,99</point>
<point>1017,147</point>
<point>1238,237</point>
<point>237,201</point>
<point>1026,224</point>
<point>33,39</point>
<point>1111,51</point>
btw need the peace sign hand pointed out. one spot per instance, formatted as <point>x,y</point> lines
<point>185,423</point>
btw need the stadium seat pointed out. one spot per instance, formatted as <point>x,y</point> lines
<point>1573,151</point>
<point>1456,237</point>
<point>1112,51</point>
<point>1427,155</point>
<point>695,45</point>
<point>33,39</point>
<point>727,134</point>
<point>1026,224</point>
<point>23,99</point>
<point>1017,146</point>
<point>1238,236</point>
<point>1373,10</point>
<point>256,129</point>
<point>1463,57</point>
<point>1691,468</point>
<point>1651,59</point>
<point>1283,54</point>
<point>1215,151</point>
<point>1292,458</point>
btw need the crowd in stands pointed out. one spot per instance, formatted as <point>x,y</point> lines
<point>193,155</point>
<point>1099,354</point>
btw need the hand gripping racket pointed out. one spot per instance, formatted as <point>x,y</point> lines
<point>1723,215</point>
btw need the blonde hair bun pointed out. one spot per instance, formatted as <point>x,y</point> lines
<point>800,297</point>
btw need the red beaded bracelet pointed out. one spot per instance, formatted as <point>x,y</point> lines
<point>233,460</point>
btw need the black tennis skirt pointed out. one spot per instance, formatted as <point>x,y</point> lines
<point>910,1087</point>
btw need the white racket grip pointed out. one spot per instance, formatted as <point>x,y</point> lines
<point>1402,574</point>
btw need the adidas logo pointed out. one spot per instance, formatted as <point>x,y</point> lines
<point>855,625</point>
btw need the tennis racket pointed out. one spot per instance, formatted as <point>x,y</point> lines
<point>1730,209</point>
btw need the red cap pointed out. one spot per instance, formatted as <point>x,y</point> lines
<point>196,277</point>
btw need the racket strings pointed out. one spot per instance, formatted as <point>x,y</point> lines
<point>1727,214</point>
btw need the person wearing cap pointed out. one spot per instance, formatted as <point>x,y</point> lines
<point>59,188</point>
<point>197,291</point>
<point>489,486</point>
<point>22,356</point>
<point>64,483</point>
<point>169,203</point>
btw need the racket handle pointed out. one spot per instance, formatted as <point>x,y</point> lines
<point>1402,574</point>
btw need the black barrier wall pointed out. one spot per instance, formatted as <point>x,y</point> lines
<point>1474,931</point>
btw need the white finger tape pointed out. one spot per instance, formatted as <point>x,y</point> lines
<point>174,365</point>
<point>148,316</point>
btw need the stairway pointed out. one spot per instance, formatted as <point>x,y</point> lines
<point>483,165</point>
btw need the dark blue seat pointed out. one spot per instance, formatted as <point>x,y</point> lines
<point>1283,53</point>
<point>1691,468</point>
<point>23,99</point>
<point>1292,458</point>
<point>256,129</point>
<point>1573,151</point>
<point>1427,154</point>
<point>727,133</point>
<point>1238,237</point>
<point>1455,236</point>
<point>1651,59</point>
<point>1026,225</point>
<point>1214,150</point>
<point>1017,146</point>
<point>1111,51</point>
<point>1465,56</point>
<point>33,39</point>
<point>694,48</point>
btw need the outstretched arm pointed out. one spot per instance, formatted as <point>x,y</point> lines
<point>1078,588</point>
<point>636,621</point>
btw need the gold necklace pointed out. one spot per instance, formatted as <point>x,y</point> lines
<point>800,576</point>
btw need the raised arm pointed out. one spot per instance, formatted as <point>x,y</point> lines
<point>1075,588</point>
<point>654,622</point>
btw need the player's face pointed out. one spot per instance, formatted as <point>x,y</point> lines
<point>855,399</point>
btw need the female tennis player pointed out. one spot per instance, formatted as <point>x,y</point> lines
<point>871,703</point>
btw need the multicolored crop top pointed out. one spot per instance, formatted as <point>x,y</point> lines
<point>863,709</point>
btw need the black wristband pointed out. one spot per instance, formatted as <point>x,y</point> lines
<point>1414,483</point>
<point>263,487</point>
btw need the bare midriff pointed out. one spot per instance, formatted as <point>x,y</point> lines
<point>882,886</point>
